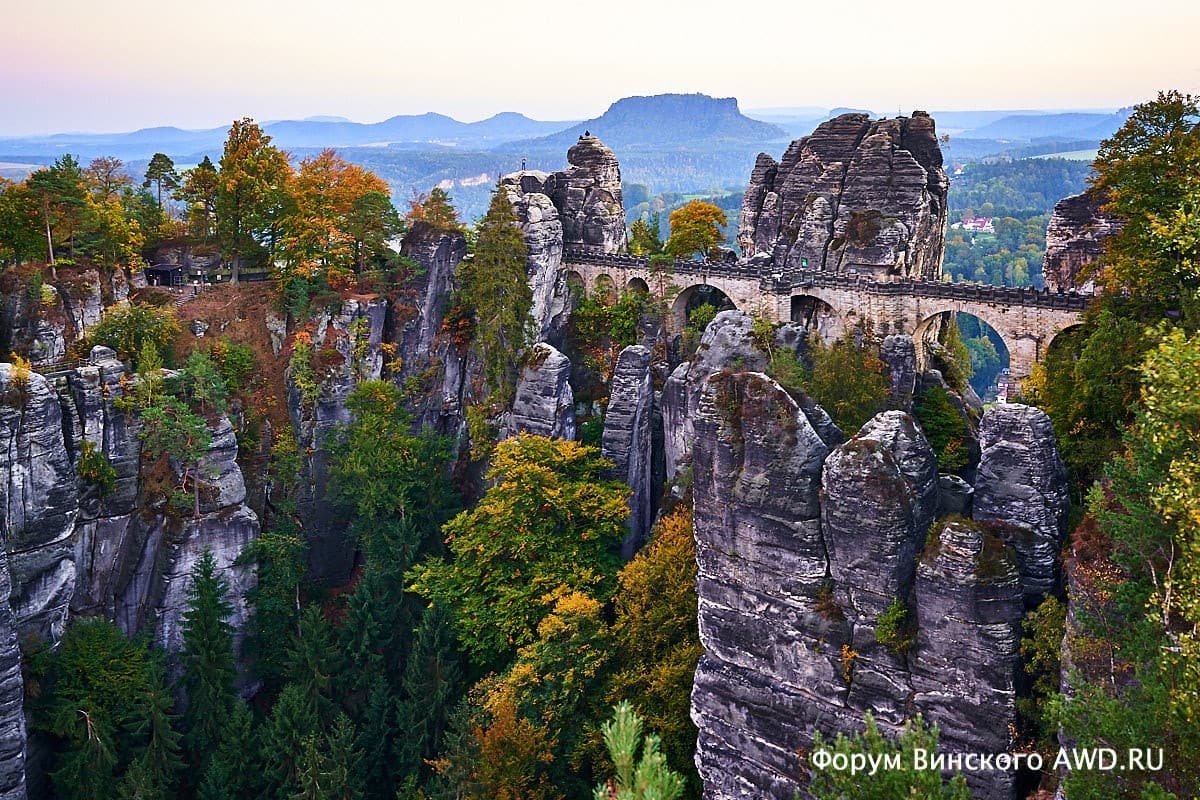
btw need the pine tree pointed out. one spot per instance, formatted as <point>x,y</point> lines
<point>646,779</point>
<point>313,661</point>
<point>234,771</point>
<point>161,172</point>
<point>430,688</point>
<point>495,286</point>
<point>329,765</point>
<point>208,663</point>
<point>292,721</point>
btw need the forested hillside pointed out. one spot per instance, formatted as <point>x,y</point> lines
<point>434,601</point>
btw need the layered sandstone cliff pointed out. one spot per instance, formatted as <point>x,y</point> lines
<point>856,195</point>
<point>1075,242</point>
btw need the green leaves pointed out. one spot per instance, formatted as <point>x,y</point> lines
<point>548,525</point>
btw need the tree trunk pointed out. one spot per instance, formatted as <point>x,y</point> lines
<point>50,243</point>
<point>235,268</point>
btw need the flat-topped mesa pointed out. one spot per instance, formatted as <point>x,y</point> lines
<point>1075,241</point>
<point>858,194</point>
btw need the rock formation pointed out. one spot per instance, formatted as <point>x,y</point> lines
<point>727,340</point>
<point>969,633</point>
<point>1075,240</point>
<point>803,544</point>
<point>577,207</point>
<point>544,404</point>
<point>347,348</point>
<point>899,352</point>
<point>769,653</point>
<point>543,228</point>
<point>856,194</point>
<point>1021,485</point>
<point>12,696</point>
<point>588,197</point>
<point>40,501</point>
<point>628,439</point>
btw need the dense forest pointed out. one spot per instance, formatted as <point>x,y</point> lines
<point>1018,196</point>
<point>492,642</point>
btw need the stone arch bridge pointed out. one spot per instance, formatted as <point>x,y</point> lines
<point>1026,319</point>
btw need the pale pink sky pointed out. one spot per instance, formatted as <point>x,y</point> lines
<point>125,64</point>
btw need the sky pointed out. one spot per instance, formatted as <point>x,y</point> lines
<point>82,65</point>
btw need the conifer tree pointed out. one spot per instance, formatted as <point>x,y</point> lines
<point>377,735</point>
<point>292,721</point>
<point>494,286</point>
<point>313,661</point>
<point>208,663</point>
<point>329,765</point>
<point>430,688</point>
<point>234,771</point>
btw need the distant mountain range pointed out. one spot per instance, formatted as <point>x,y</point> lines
<point>435,130</point>
<point>685,143</point>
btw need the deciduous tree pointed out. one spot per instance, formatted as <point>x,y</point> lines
<point>695,229</point>
<point>251,193</point>
<point>550,524</point>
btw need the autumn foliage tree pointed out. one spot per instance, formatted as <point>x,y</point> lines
<point>695,229</point>
<point>435,208</point>
<point>251,193</point>
<point>550,524</point>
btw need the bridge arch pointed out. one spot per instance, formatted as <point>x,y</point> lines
<point>604,288</point>
<point>693,297</point>
<point>817,315</point>
<point>639,285</point>
<point>1015,352</point>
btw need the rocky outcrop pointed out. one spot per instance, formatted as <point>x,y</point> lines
<point>803,545</point>
<point>628,439</point>
<point>12,696</point>
<point>39,500</point>
<point>880,497</point>
<point>728,340</point>
<point>770,656</point>
<point>1021,485</point>
<point>899,352</point>
<point>346,349</point>
<point>588,197</point>
<point>418,315</point>
<point>543,229</point>
<point>577,207</point>
<point>856,195</point>
<point>544,404</point>
<point>105,540</point>
<point>727,343</point>
<point>73,550</point>
<point>1075,241</point>
<point>964,674</point>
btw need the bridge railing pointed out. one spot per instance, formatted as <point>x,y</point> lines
<point>802,279</point>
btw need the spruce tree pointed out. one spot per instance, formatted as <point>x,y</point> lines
<point>329,765</point>
<point>377,735</point>
<point>292,721</point>
<point>208,663</point>
<point>313,661</point>
<point>430,688</point>
<point>234,772</point>
<point>494,285</point>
